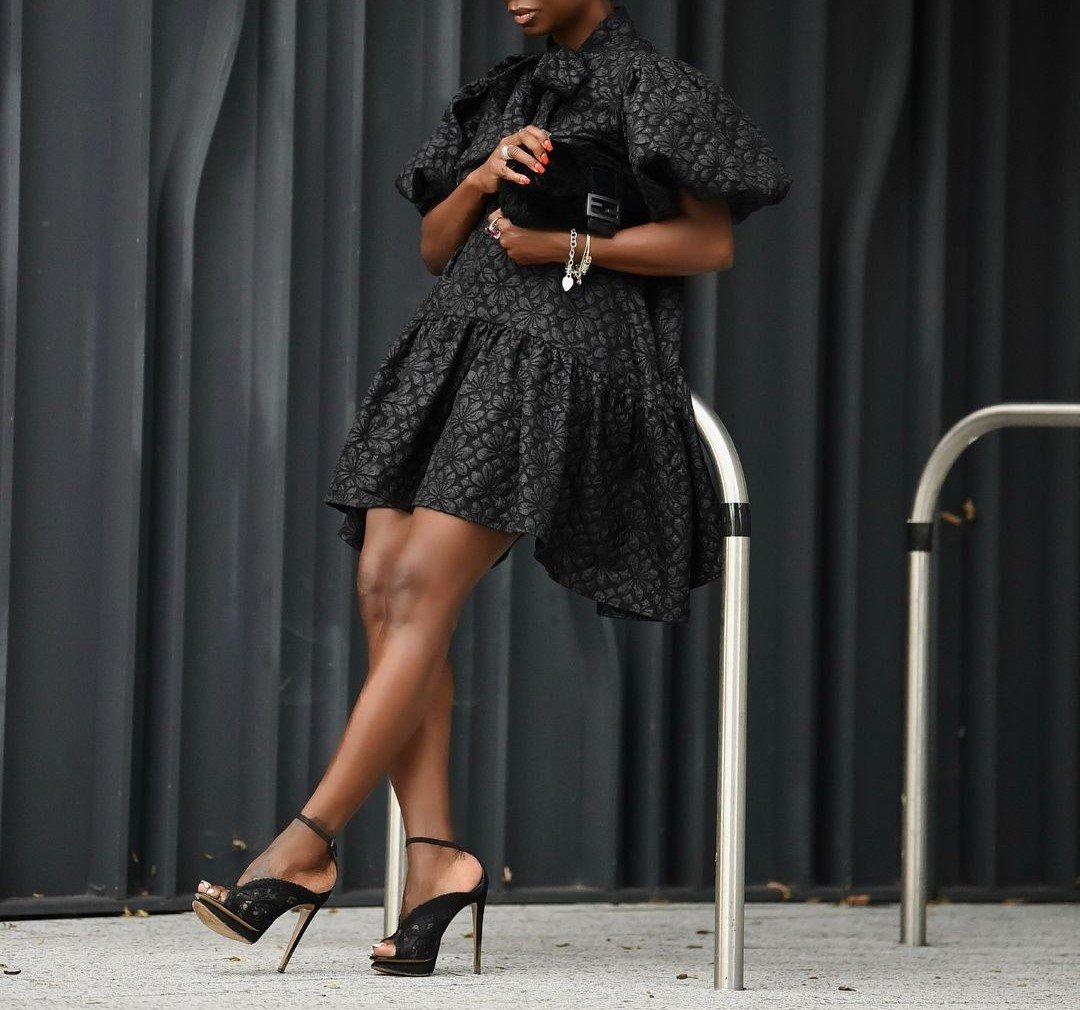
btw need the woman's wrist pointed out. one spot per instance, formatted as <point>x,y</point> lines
<point>560,246</point>
<point>473,183</point>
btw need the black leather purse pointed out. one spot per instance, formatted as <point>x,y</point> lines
<point>584,186</point>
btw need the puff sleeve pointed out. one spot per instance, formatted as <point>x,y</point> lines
<point>431,172</point>
<point>683,130</point>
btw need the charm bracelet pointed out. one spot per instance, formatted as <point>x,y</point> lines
<point>576,273</point>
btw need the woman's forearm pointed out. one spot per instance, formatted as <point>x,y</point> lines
<point>446,226</point>
<point>677,245</point>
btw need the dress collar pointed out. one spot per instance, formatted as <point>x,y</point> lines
<point>561,70</point>
<point>614,28</point>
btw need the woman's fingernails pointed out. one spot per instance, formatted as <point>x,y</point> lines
<point>548,145</point>
<point>540,168</point>
<point>544,158</point>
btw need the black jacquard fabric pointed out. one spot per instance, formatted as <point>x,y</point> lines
<point>564,415</point>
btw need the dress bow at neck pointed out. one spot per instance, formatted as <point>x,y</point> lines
<point>560,70</point>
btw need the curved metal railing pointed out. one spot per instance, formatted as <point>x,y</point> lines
<point>920,525</point>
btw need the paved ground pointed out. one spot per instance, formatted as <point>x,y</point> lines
<point>570,956</point>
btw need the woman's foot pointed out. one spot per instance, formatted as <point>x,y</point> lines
<point>433,870</point>
<point>297,854</point>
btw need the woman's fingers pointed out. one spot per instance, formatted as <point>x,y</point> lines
<point>506,171</point>
<point>528,146</point>
<point>536,140</point>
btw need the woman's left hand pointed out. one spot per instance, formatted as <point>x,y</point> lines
<point>527,246</point>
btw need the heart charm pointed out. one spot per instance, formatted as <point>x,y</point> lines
<point>567,282</point>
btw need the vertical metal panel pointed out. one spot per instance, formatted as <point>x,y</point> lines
<point>198,218</point>
<point>850,360</point>
<point>11,20</point>
<point>195,48</point>
<point>78,448</point>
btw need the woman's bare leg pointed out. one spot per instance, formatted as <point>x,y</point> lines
<point>419,772</point>
<point>424,586</point>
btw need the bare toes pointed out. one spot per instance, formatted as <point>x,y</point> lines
<point>213,890</point>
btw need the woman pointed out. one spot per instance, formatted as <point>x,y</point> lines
<point>508,406</point>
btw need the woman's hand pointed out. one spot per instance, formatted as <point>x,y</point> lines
<point>448,224</point>
<point>529,146</point>
<point>527,246</point>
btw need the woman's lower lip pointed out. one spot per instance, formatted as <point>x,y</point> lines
<point>525,18</point>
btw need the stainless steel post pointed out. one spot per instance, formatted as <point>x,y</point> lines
<point>731,758</point>
<point>915,797</point>
<point>395,863</point>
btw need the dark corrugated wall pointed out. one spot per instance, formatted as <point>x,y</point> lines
<point>202,259</point>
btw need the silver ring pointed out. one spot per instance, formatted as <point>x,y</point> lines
<point>506,152</point>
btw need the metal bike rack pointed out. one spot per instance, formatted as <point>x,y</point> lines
<point>731,761</point>
<point>914,799</point>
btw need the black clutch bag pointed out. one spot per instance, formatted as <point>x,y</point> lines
<point>584,186</point>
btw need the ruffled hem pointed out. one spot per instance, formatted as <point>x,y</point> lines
<point>510,430</point>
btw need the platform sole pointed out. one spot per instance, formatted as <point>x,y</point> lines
<point>221,920</point>
<point>389,966</point>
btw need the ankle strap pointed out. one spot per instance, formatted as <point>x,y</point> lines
<point>444,842</point>
<point>318,829</point>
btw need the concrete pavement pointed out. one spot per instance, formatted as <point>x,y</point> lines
<point>588,955</point>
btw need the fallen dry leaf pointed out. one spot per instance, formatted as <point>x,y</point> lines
<point>784,889</point>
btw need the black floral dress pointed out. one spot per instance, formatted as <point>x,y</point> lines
<point>565,415</point>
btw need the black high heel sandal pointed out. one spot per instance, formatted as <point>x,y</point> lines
<point>417,938</point>
<point>261,901</point>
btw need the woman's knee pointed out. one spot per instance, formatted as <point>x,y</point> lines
<point>386,532</point>
<point>371,578</point>
<point>413,591</point>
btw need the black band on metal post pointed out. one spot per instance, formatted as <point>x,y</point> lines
<point>735,518</point>
<point>920,536</point>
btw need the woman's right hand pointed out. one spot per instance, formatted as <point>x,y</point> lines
<point>529,146</point>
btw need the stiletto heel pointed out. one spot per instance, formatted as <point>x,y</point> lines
<point>306,914</point>
<point>250,909</point>
<point>477,933</point>
<point>419,934</point>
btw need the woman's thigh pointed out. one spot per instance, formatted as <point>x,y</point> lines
<point>436,553</point>
<point>454,550</point>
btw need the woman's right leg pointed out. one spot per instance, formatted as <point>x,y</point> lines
<point>419,773</point>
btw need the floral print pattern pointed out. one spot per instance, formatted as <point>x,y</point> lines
<point>563,415</point>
